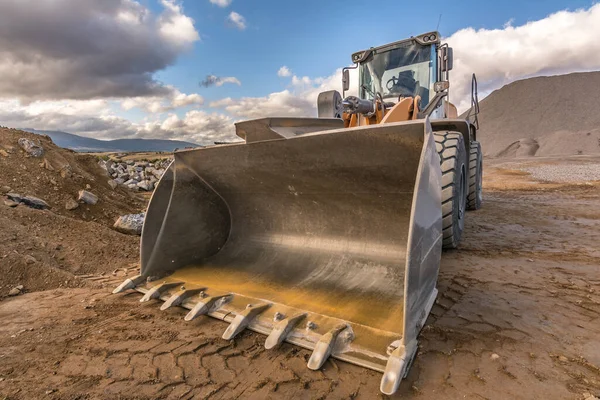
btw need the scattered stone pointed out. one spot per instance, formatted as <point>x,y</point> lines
<point>3,153</point>
<point>131,182</point>
<point>119,181</point>
<point>589,396</point>
<point>14,197</point>
<point>17,290</point>
<point>113,185</point>
<point>5,189</point>
<point>563,359</point>
<point>66,171</point>
<point>71,205</point>
<point>146,185</point>
<point>494,357</point>
<point>87,197</point>
<point>10,203</point>
<point>35,202</point>
<point>130,224</point>
<point>87,186</point>
<point>46,164</point>
<point>34,150</point>
<point>30,260</point>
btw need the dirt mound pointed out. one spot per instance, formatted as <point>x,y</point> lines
<point>43,249</point>
<point>542,116</point>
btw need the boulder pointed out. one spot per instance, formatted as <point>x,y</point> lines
<point>17,290</point>
<point>146,185</point>
<point>66,171</point>
<point>87,197</point>
<point>119,181</point>
<point>71,205</point>
<point>131,182</point>
<point>31,148</point>
<point>10,203</point>
<point>113,185</point>
<point>46,164</point>
<point>35,202</point>
<point>130,224</point>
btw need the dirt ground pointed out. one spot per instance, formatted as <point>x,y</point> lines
<point>517,316</point>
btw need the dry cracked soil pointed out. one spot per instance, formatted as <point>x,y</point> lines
<point>517,317</point>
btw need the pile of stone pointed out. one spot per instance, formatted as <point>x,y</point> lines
<point>140,175</point>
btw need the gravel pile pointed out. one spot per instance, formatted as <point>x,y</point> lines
<point>141,175</point>
<point>565,173</point>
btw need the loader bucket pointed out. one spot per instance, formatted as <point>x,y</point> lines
<point>326,238</point>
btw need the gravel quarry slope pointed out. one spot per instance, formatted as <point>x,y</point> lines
<point>517,317</point>
<point>539,117</point>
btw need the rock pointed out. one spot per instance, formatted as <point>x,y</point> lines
<point>113,185</point>
<point>5,189</point>
<point>10,203</point>
<point>158,173</point>
<point>589,396</point>
<point>17,290</point>
<point>35,202</point>
<point>119,181</point>
<point>87,186</point>
<point>133,186</point>
<point>3,153</point>
<point>131,182</point>
<point>31,148</point>
<point>87,197</point>
<point>46,164</point>
<point>130,224</point>
<point>66,171</point>
<point>143,164</point>
<point>146,185</point>
<point>71,204</point>
<point>494,357</point>
<point>14,196</point>
<point>563,359</point>
<point>30,260</point>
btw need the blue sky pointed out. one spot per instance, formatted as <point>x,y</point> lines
<point>132,68</point>
<point>314,38</point>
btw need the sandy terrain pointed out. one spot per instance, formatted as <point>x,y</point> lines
<point>517,317</point>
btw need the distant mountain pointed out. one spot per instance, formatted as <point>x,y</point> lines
<point>84,144</point>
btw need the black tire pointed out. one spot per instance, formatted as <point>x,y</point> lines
<point>475,196</point>
<point>453,158</point>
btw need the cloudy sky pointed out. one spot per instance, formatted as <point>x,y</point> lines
<point>188,69</point>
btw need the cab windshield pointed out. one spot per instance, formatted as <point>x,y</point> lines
<point>401,71</point>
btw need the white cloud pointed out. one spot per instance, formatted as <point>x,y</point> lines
<point>93,118</point>
<point>160,104</point>
<point>175,26</point>
<point>284,72</point>
<point>221,3</point>
<point>237,20</point>
<point>562,42</point>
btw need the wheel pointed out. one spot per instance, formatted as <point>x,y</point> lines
<point>451,148</point>
<point>475,196</point>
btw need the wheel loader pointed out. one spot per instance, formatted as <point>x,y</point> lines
<point>325,232</point>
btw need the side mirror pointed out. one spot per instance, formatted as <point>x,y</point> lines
<point>446,56</point>
<point>345,80</point>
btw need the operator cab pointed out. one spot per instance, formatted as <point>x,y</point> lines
<point>402,69</point>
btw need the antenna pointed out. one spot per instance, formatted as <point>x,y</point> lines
<point>437,28</point>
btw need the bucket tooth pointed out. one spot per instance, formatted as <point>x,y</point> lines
<point>397,368</point>
<point>207,305</point>
<point>129,283</point>
<point>156,291</point>
<point>324,347</point>
<point>180,297</point>
<point>282,329</point>
<point>243,319</point>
